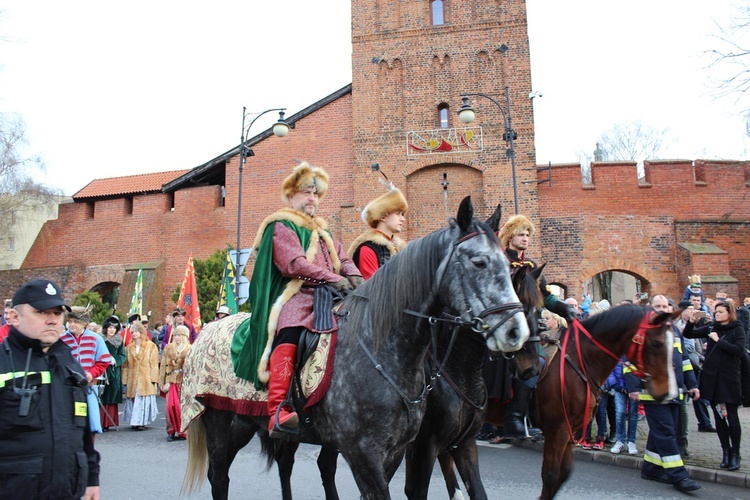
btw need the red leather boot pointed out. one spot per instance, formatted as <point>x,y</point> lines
<point>281,365</point>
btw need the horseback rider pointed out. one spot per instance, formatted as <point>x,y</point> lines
<point>385,215</point>
<point>297,261</point>
<point>515,236</point>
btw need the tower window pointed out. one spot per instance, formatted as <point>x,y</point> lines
<point>443,115</point>
<point>438,13</point>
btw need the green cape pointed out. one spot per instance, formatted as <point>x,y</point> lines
<point>266,285</point>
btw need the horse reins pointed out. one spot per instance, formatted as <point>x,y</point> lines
<point>634,351</point>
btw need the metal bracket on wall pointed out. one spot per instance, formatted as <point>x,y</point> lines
<point>548,168</point>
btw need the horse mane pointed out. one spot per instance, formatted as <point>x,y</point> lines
<point>408,277</point>
<point>614,318</point>
<point>528,291</point>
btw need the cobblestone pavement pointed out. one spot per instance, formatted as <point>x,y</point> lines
<point>704,448</point>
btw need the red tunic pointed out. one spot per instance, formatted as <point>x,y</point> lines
<point>368,262</point>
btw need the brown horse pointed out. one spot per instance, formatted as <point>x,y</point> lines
<point>569,388</point>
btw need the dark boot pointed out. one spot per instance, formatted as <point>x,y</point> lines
<point>281,366</point>
<point>515,412</point>
<point>724,458</point>
<point>734,459</point>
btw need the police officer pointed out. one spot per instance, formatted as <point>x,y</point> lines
<point>47,449</point>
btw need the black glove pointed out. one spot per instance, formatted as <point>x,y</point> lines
<point>342,284</point>
<point>355,280</point>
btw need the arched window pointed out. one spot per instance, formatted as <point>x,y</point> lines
<point>438,12</point>
<point>444,115</point>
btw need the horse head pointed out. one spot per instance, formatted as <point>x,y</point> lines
<point>476,277</point>
<point>525,283</point>
<point>651,353</point>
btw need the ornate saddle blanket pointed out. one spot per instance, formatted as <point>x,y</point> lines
<point>209,378</point>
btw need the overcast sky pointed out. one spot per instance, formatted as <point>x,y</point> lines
<point>119,88</point>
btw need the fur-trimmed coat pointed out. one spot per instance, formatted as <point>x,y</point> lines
<point>141,369</point>
<point>171,363</point>
<point>373,237</point>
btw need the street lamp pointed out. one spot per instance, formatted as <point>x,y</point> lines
<point>280,129</point>
<point>467,114</point>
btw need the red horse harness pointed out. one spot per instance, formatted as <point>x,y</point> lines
<point>635,352</point>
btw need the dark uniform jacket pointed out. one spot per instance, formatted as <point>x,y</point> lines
<point>49,453</point>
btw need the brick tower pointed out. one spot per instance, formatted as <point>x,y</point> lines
<point>411,62</point>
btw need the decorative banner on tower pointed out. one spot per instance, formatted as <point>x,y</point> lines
<point>444,140</point>
<point>136,303</point>
<point>188,300</point>
<point>226,292</point>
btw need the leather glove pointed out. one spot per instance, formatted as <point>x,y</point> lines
<point>343,284</point>
<point>355,280</point>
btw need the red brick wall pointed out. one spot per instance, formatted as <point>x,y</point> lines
<point>618,223</point>
<point>402,70</point>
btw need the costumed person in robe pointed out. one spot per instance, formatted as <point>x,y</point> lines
<point>297,264</point>
<point>502,385</point>
<point>92,353</point>
<point>385,215</point>
<point>111,394</point>
<point>140,373</point>
<point>170,379</point>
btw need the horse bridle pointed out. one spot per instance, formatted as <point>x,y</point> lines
<point>477,325</point>
<point>636,350</point>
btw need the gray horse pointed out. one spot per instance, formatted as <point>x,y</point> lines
<point>377,396</point>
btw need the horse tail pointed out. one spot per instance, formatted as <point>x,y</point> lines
<point>197,464</point>
<point>268,448</point>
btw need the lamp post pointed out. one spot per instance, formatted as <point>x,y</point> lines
<point>467,114</point>
<point>280,129</point>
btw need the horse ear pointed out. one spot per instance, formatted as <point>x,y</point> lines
<point>660,318</point>
<point>465,214</point>
<point>494,220</point>
<point>538,271</point>
<point>519,276</point>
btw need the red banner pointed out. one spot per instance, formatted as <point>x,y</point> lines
<point>189,297</point>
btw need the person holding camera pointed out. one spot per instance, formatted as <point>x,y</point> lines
<point>720,380</point>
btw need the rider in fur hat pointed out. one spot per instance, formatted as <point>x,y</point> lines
<point>297,262</point>
<point>385,215</point>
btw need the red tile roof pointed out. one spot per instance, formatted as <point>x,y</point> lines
<point>142,183</point>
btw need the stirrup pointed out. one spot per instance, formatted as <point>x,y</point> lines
<point>281,431</point>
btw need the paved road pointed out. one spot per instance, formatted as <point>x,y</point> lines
<point>143,465</point>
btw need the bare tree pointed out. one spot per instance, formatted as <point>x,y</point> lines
<point>630,141</point>
<point>730,61</point>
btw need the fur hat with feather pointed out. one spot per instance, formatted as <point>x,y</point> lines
<point>384,205</point>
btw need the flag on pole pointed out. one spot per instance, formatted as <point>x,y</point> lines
<point>226,292</point>
<point>136,303</point>
<point>188,300</point>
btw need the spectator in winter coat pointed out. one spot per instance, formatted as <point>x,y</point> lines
<point>720,381</point>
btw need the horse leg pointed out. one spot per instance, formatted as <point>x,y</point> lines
<point>327,465</point>
<point>466,457</point>
<point>557,462</point>
<point>368,471</point>
<point>285,451</point>
<point>223,447</point>
<point>449,475</point>
<point>420,459</point>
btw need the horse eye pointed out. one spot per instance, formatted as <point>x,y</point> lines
<point>656,344</point>
<point>479,262</point>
